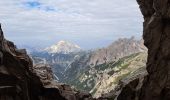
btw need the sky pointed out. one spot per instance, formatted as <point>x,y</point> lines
<point>88,23</point>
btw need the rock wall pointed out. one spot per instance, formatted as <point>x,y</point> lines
<point>156,34</point>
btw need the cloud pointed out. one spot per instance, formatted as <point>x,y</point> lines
<point>45,22</point>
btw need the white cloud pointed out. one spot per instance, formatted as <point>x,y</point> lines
<point>81,21</point>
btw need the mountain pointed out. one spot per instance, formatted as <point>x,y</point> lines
<point>59,56</point>
<point>99,71</point>
<point>63,47</point>
<point>87,70</point>
<point>118,49</point>
<point>105,77</point>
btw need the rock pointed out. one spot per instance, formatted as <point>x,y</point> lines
<point>156,37</point>
<point>17,80</point>
<point>129,87</point>
<point>45,73</point>
<point>1,57</point>
<point>84,96</point>
<point>72,94</point>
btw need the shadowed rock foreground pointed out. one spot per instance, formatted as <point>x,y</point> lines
<point>17,80</point>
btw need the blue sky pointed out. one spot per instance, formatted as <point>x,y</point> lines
<point>32,4</point>
<point>88,23</point>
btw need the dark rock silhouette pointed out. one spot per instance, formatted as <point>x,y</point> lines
<point>17,80</point>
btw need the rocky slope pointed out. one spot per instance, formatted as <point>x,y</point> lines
<point>118,49</point>
<point>105,77</point>
<point>108,79</point>
<point>154,86</point>
<point>19,80</point>
<point>98,72</point>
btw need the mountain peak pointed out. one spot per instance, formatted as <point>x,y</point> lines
<point>62,42</point>
<point>64,47</point>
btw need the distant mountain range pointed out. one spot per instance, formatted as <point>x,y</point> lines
<point>63,47</point>
<point>87,70</point>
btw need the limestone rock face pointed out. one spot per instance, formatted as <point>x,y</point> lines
<point>156,85</point>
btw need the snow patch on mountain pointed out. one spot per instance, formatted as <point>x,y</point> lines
<point>64,47</point>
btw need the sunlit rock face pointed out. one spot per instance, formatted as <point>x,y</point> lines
<point>155,85</point>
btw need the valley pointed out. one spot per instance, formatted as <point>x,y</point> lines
<point>95,71</point>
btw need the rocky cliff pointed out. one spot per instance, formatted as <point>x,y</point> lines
<point>19,80</point>
<point>156,85</point>
<point>118,49</point>
<point>104,78</point>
